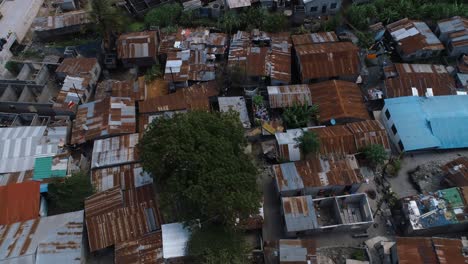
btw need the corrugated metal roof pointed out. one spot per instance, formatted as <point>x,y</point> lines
<point>289,95</point>
<point>297,251</point>
<point>430,122</point>
<point>19,146</point>
<point>328,60</point>
<point>299,213</point>
<point>103,118</point>
<point>412,250</point>
<point>413,36</point>
<point>338,100</point>
<point>313,38</point>
<point>52,239</point>
<point>175,237</point>
<point>456,171</point>
<point>126,176</point>
<point>195,97</point>
<point>49,167</point>
<point>237,104</point>
<point>116,216</point>
<point>335,140</point>
<point>316,172</point>
<point>137,45</point>
<point>115,151</point>
<point>15,177</point>
<point>68,19</point>
<point>419,76</point>
<point>78,67</point>
<point>114,88</point>
<point>146,249</point>
<point>232,4</point>
<point>369,132</point>
<point>19,202</point>
<point>449,250</point>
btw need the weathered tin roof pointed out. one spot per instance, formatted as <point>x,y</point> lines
<point>369,132</point>
<point>232,4</point>
<point>195,97</point>
<point>297,251</point>
<point>52,239</point>
<point>145,249</point>
<point>237,104</point>
<point>101,118</point>
<point>68,19</point>
<point>449,250</point>
<point>412,36</point>
<point>404,77</point>
<point>15,177</point>
<point>299,213</point>
<point>456,171</point>
<point>114,88</point>
<point>328,60</point>
<point>126,176</point>
<point>316,172</point>
<point>338,99</point>
<point>78,67</point>
<point>335,140</point>
<point>116,216</point>
<point>115,151</point>
<point>414,250</point>
<point>136,45</point>
<point>289,95</point>
<point>19,202</point>
<point>175,238</point>
<point>319,37</point>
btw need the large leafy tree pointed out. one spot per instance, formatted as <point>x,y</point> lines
<point>68,194</point>
<point>200,168</point>
<point>299,115</point>
<point>164,16</point>
<point>229,22</point>
<point>375,154</point>
<point>308,142</point>
<point>107,18</point>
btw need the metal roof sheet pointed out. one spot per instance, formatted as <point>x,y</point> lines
<point>297,251</point>
<point>319,37</point>
<point>412,250</point>
<point>114,216</point>
<point>79,67</point>
<point>175,237</point>
<point>328,60</point>
<point>238,3</point>
<point>237,104</point>
<point>50,167</point>
<point>136,45</point>
<point>456,171</point>
<point>338,99</point>
<point>146,249</point>
<point>419,76</point>
<point>68,19</point>
<point>299,213</point>
<point>449,250</point>
<point>15,177</point>
<point>289,95</point>
<point>115,151</point>
<point>369,132</point>
<point>52,239</point>
<point>20,202</point>
<point>430,122</point>
<point>126,176</point>
<point>101,118</point>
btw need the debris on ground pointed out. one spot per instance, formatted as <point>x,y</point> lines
<point>427,177</point>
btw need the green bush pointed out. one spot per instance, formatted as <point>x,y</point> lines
<point>136,26</point>
<point>375,154</point>
<point>163,16</point>
<point>299,115</point>
<point>153,73</point>
<point>309,143</point>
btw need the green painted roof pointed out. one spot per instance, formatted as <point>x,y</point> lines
<point>43,169</point>
<point>453,196</point>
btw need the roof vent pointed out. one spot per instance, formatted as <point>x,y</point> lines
<point>414,91</point>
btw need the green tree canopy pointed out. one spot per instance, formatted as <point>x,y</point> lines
<point>200,168</point>
<point>299,115</point>
<point>215,244</point>
<point>163,16</point>
<point>309,143</point>
<point>274,22</point>
<point>229,22</point>
<point>375,154</point>
<point>106,17</point>
<point>68,194</point>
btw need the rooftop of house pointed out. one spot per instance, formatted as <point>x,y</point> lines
<point>145,249</point>
<point>51,239</point>
<point>419,250</point>
<point>317,172</point>
<point>297,251</point>
<point>68,19</point>
<point>457,30</point>
<point>430,122</point>
<point>289,95</point>
<point>412,36</point>
<point>405,79</point>
<point>126,176</point>
<point>444,207</point>
<point>237,104</point>
<point>20,202</point>
<point>175,238</point>
<point>456,171</point>
<point>137,45</point>
<point>324,60</point>
<point>78,67</point>
<point>104,118</point>
<point>115,151</point>
<point>313,38</point>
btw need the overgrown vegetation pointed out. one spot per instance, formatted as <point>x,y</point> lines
<point>163,16</point>
<point>375,154</point>
<point>153,73</point>
<point>388,11</point>
<point>309,143</point>
<point>68,194</point>
<point>107,18</point>
<point>300,115</point>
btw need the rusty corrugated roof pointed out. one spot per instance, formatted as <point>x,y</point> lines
<point>415,250</point>
<point>78,67</point>
<point>15,177</point>
<point>338,99</point>
<point>19,202</point>
<point>114,88</point>
<point>456,171</point>
<point>419,76</point>
<point>68,19</point>
<point>195,97</point>
<point>101,118</point>
<point>137,45</point>
<point>289,95</point>
<point>412,36</point>
<point>449,250</point>
<point>126,176</point>
<point>335,140</point>
<point>116,216</point>
<point>146,249</point>
<point>115,151</point>
<point>327,60</point>
<point>319,37</point>
<point>369,132</point>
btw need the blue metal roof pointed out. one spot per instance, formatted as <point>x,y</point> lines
<point>430,122</point>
